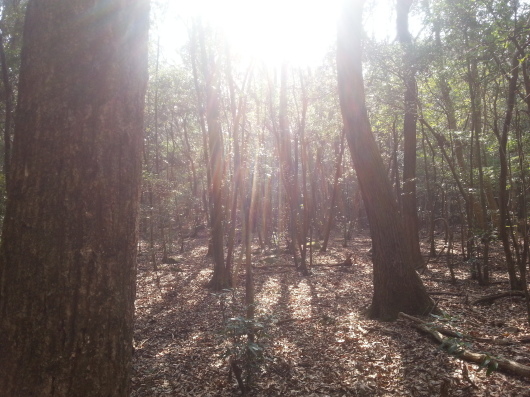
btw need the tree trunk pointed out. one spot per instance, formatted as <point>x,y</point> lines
<point>237,111</point>
<point>334,192</point>
<point>221,277</point>
<point>68,253</point>
<point>397,287</point>
<point>431,200</point>
<point>8,103</point>
<point>502,137</point>
<point>289,174</point>
<point>409,205</point>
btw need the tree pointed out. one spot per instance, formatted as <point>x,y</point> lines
<point>410,210</point>
<point>68,252</point>
<point>221,277</point>
<point>397,287</point>
<point>289,173</point>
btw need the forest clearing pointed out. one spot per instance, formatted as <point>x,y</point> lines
<point>264,198</point>
<point>321,341</point>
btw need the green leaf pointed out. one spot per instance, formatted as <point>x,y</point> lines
<point>492,367</point>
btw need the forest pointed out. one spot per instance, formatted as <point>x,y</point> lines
<point>192,210</point>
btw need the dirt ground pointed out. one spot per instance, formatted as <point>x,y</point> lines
<point>320,342</point>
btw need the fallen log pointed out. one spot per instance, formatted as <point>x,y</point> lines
<point>484,360</point>
<point>453,334</point>
<point>442,330</point>
<point>491,298</point>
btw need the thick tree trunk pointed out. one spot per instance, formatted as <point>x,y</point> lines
<point>397,287</point>
<point>8,103</point>
<point>68,254</point>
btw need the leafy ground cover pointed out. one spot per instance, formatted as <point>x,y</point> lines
<point>321,343</point>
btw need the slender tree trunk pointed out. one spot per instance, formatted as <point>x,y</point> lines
<point>409,202</point>
<point>523,268</point>
<point>334,192</point>
<point>431,202</point>
<point>152,251</point>
<point>397,287</point>
<point>201,106</point>
<point>465,195</point>
<point>524,216</point>
<point>194,183</point>
<point>68,253</point>
<point>304,161</point>
<point>236,110</point>
<point>502,137</point>
<point>289,176</point>
<point>221,277</point>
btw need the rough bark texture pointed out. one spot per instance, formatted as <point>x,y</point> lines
<point>397,287</point>
<point>8,103</point>
<point>68,253</point>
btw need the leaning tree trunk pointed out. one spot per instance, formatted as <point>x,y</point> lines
<point>68,253</point>
<point>397,287</point>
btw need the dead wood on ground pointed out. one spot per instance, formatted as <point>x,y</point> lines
<point>481,359</point>
<point>491,298</point>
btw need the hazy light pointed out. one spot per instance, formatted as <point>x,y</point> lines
<point>300,32</point>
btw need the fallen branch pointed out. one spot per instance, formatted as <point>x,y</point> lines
<point>442,330</point>
<point>491,298</point>
<point>453,334</point>
<point>484,360</point>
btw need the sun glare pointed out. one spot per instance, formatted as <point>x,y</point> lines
<point>299,32</point>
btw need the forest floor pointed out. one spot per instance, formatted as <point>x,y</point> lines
<point>320,342</point>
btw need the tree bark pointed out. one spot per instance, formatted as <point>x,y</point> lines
<point>289,173</point>
<point>409,204</point>
<point>8,103</point>
<point>221,277</point>
<point>502,137</point>
<point>68,253</point>
<point>334,193</point>
<point>397,287</point>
